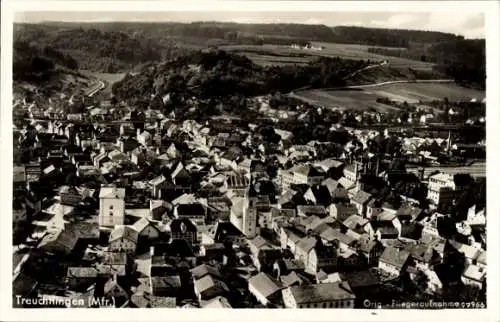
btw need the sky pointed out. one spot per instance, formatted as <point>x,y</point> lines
<point>465,23</point>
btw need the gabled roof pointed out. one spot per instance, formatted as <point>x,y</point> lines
<point>395,256</point>
<point>112,192</point>
<point>326,292</point>
<point>265,284</point>
<point>141,224</point>
<point>207,282</point>
<point>125,232</point>
<point>202,270</point>
<point>362,197</point>
<point>306,244</point>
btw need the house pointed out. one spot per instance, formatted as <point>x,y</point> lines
<point>212,252</point>
<point>70,196</point>
<point>424,256</point>
<point>123,239</point>
<point>114,291</point>
<point>80,278</point>
<point>322,257</point>
<point>111,206</point>
<point>341,211</point>
<point>304,247</point>
<point>474,275</point>
<point>371,249</point>
<point>115,263</point>
<point>360,201</point>
<point>265,288</point>
<point>208,287</point>
<point>443,187</point>
<point>196,212</point>
<point>394,260</point>
<point>324,295</point>
<point>289,237</point>
<point>165,286</point>
<point>159,208</point>
<point>318,195</point>
<point>302,174</point>
<point>338,192</point>
<point>203,270</point>
<point>147,231</point>
<point>184,229</point>
<point>59,242</point>
<point>285,266</point>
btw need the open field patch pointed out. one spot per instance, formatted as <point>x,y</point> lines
<point>364,99</point>
<point>342,99</point>
<point>414,92</point>
<point>265,54</point>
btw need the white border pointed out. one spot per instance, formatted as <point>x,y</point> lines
<point>491,10</point>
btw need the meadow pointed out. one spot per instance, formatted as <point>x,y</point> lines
<point>364,99</point>
<point>277,54</point>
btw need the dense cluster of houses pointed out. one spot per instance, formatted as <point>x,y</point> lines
<point>182,214</point>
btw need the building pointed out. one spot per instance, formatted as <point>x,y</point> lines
<point>184,229</point>
<point>324,295</point>
<point>394,260</point>
<point>123,239</point>
<point>265,288</point>
<point>444,187</point>
<point>302,174</point>
<point>474,275</point>
<point>111,206</point>
<point>244,217</point>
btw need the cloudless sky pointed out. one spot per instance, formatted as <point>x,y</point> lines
<point>468,24</point>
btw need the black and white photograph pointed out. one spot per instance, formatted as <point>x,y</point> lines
<point>246,159</point>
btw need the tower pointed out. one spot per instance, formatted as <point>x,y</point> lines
<point>249,220</point>
<point>111,206</point>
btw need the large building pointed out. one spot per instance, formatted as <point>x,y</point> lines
<point>326,295</point>
<point>443,187</point>
<point>111,206</point>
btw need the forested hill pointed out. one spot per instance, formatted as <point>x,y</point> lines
<point>269,33</point>
<point>215,73</point>
<point>39,64</point>
<point>121,46</point>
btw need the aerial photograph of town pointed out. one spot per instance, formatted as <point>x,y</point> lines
<point>233,160</point>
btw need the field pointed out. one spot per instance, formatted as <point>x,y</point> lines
<point>363,99</point>
<point>275,54</point>
<point>342,99</point>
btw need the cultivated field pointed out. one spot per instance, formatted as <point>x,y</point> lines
<point>415,92</point>
<point>275,54</point>
<point>364,99</point>
<point>342,99</point>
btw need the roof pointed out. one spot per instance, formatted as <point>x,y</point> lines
<point>395,256</point>
<point>202,270</point>
<point>468,251</point>
<point>207,282</point>
<point>475,272</point>
<point>306,244</point>
<point>355,221</point>
<point>114,258</point>
<point>307,170</point>
<point>361,197</point>
<point>125,232</point>
<point>141,224</point>
<point>290,279</point>
<point>64,240</point>
<point>265,284</point>
<point>162,282</point>
<point>218,302</point>
<point>112,192</point>
<point>364,278</point>
<point>325,292</point>
<point>82,272</point>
